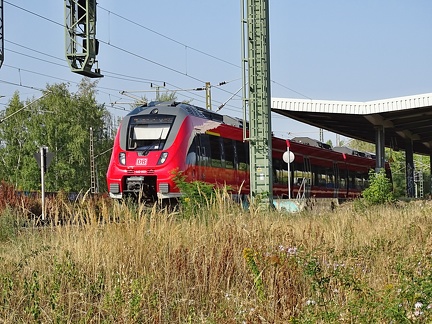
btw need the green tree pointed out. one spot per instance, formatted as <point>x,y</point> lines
<point>380,189</point>
<point>61,120</point>
<point>14,144</point>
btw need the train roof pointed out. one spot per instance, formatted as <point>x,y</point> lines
<point>192,110</point>
<point>340,149</point>
<point>311,142</point>
<point>348,150</point>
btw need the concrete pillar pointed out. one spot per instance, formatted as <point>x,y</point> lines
<point>379,148</point>
<point>409,167</point>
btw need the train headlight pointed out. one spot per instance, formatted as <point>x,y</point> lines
<point>122,158</point>
<point>163,158</point>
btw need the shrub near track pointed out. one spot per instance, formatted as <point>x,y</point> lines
<point>10,198</point>
<point>131,264</point>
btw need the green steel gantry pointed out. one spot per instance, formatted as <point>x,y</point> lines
<point>256,96</point>
<point>81,43</point>
<point>1,34</point>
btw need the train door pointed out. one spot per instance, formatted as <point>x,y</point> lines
<point>203,148</point>
<point>229,162</point>
<point>242,167</point>
<point>192,159</point>
<point>343,180</point>
<point>336,180</point>
<point>307,176</point>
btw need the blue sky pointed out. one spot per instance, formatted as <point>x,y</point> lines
<point>336,50</point>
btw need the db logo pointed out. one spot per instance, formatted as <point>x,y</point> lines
<point>141,162</point>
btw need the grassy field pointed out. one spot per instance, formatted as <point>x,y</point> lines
<point>217,263</point>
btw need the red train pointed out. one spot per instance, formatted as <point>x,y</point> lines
<point>156,140</point>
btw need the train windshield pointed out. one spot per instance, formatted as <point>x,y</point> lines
<point>149,132</point>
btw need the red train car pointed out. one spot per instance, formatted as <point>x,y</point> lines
<point>156,140</point>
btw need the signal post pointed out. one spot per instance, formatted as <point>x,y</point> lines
<point>43,159</point>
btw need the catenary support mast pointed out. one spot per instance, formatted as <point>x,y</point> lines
<point>81,43</point>
<point>1,34</point>
<point>256,96</point>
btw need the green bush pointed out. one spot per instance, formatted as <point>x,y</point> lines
<point>8,225</point>
<point>380,189</point>
<point>195,195</point>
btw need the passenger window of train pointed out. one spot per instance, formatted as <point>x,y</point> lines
<point>191,157</point>
<point>283,176</point>
<point>365,180</point>
<point>359,181</point>
<point>228,147</point>
<point>302,177</point>
<point>203,149</point>
<point>299,174</point>
<point>330,181</point>
<point>277,171</point>
<point>342,180</point>
<point>242,155</point>
<point>319,176</point>
<point>215,151</point>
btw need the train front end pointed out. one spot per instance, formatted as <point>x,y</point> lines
<point>150,145</point>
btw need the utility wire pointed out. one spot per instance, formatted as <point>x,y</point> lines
<point>117,47</point>
<point>35,14</point>
<point>169,38</point>
<point>127,78</point>
<point>159,34</point>
<point>107,71</point>
<point>27,105</point>
<point>151,61</point>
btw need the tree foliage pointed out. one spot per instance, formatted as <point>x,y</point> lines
<point>60,120</point>
<point>380,189</point>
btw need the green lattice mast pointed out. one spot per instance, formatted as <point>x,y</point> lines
<point>256,96</point>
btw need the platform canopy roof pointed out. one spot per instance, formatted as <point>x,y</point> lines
<point>404,118</point>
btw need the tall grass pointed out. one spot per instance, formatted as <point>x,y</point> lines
<point>110,262</point>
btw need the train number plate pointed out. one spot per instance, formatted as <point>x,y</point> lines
<point>141,161</point>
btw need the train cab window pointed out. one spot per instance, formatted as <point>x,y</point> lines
<point>147,133</point>
<point>215,151</point>
<point>228,153</point>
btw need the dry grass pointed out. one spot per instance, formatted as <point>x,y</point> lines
<point>128,264</point>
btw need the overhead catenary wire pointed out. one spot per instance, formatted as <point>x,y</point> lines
<point>139,79</point>
<point>170,38</point>
<point>21,109</point>
<point>64,65</point>
<point>137,55</point>
<point>62,25</point>
<point>126,51</point>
